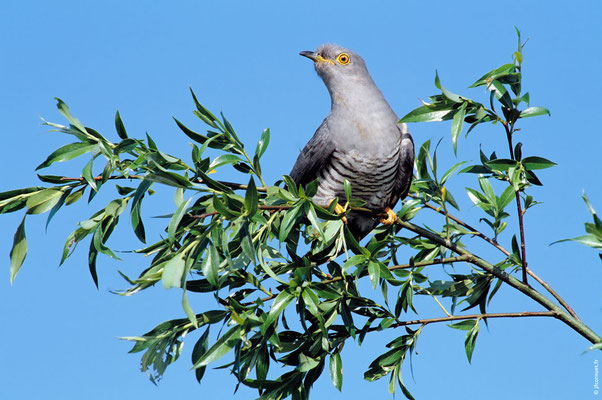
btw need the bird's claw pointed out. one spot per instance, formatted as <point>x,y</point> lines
<point>339,209</point>
<point>391,217</point>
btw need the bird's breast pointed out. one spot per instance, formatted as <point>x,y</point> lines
<point>371,175</point>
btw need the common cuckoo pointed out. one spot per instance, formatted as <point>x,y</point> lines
<point>360,141</point>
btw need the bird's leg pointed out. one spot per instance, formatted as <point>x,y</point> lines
<point>391,217</point>
<point>339,209</point>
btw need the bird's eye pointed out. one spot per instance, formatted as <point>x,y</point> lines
<point>343,59</point>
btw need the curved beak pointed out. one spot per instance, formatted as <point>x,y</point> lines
<point>309,54</point>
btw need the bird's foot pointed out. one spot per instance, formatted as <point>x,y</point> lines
<point>391,217</point>
<point>339,209</point>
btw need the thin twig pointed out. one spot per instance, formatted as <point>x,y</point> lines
<point>553,293</point>
<point>473,316</point>
<point>568,319</point>
<point>417,264</point>
<point>495,244</point>
<point>519,210</point>
<point>472,230</point>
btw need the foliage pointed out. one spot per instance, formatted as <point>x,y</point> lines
<point>594,231</point>
<point>256,252</point>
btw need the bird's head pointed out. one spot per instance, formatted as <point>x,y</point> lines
<point>337,65</point>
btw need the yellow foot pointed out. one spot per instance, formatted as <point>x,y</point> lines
<point>339,209</point>
<point>391,217</point>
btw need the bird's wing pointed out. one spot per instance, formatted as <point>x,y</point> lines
<point>314,156</point>
<point>405,169</point>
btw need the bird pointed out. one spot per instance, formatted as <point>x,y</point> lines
<point>360,141</point>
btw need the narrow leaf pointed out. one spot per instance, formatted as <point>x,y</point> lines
<point>534,112</point>
<point>457,123</point>
<point>119,127</point>
<point>220,348</point>
<point>336,370</point>
<point>531,163</point>
<point>173,271</point>
<point>18,251</point>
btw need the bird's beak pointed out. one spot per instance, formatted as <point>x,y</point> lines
<point>309,54</point>
<point>315,57</point>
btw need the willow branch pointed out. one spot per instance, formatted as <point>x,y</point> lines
<point>568,319</point>
<point>495,244</point>
<point>553,293</point>
<point>472,230</point>
<point>473,316</point>
<point>416,264</point>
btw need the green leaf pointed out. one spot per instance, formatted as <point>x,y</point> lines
<point>506,197</point>
<point>197,137</point>
<point>457,123</point>
<point>87,174</point>
<point>335,367</point>
<point>449,95</point>
<point>288,221</point>
<point>199,349</point>
<point>374,272</point>
<point>92,256</point>
<point>43,200</point>
<point>64,109</point>
<point>307,363</point>
<point>504,70</point>
<point>215,185</point>
<point>204,114</point>
<point>588,240</point>
<point>18,251</point>
<point>263,143</point>
<point>347,186</point>
<point>278,305</point>
<point>175,220</point>
<point>500,92</point>
<point>135,216</point>
<point>534,112</point>
<point>251,198</point>
<point>168,178</point>
<point>430,113</point>
<point>471,338</point>
<point>67,152</point>
<point>451,171</point>
<point>223,160</point>
<point>311,301</point>
<point>465,325</point>
<point>188,310</point>
<point>313,218</point>
<point>66,194</point>
<point>501,164</point>
<point>210,265</point>
<point>531,163</point>
<point>119,127</point>
<point>173,271</point>
<point>220,348</point>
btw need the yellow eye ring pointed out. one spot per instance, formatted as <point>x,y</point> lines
<point>343,59</point>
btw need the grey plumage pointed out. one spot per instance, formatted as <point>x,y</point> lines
<point>360,140</point>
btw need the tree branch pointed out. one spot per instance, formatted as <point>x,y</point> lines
<point>568,319</point>
<point>473,230</point>
<point>417,264</point>
<point>473,316</point>
<point>553,293</point>
<point>509,131</point>
<point>495,244</point>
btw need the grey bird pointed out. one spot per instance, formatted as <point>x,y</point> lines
<point>360,141</point>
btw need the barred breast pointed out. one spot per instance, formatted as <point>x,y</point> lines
<point>372,179</point>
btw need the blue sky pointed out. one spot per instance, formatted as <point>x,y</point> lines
<point>60,334</point>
